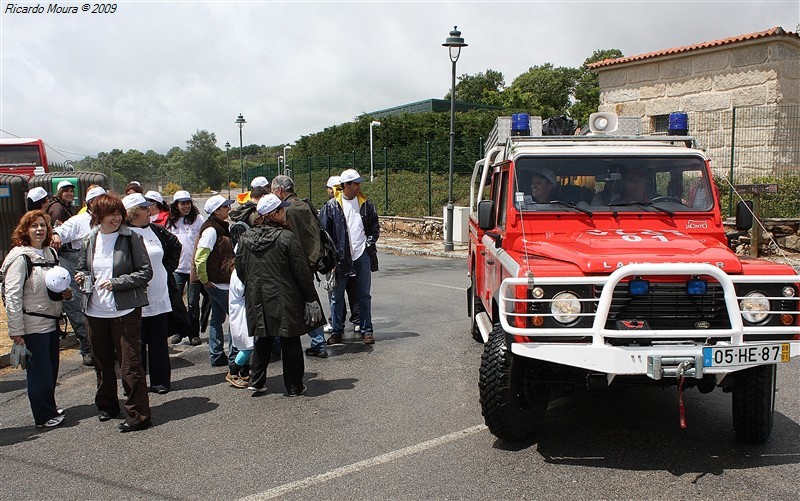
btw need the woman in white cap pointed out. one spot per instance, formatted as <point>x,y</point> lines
<point>164,251</point>
<point>280,298</point>
<point>33,312</point>
<point>60,208</point>
<point>185,222</point>
<point>159,211</point>
<point>36,198</point>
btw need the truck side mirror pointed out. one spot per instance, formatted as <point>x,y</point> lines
<point>744,215</point>
<point>486,214</point>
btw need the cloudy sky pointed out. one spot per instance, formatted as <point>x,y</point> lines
<point>153,72</point>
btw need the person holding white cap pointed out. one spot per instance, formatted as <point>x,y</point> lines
<point>60,208</point>
<point>33,312</point>
<point>36,198</point>
<point>352,222</point>
<point>159,211</point>
<point>213,261</point>
<point>184,222</point>
<point>280,297</point>
<point>164,251</point>
<point>68,239</point>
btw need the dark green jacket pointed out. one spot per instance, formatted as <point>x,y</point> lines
<point>277,282</point>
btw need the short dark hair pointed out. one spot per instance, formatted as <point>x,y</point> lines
<point>104,205</point>
<point>260,191</point>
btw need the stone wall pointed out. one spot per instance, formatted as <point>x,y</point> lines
<point>426,228</point>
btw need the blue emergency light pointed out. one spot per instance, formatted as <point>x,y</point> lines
<point>696,287</point>
<point>520,124</point>
<point>638,287</point>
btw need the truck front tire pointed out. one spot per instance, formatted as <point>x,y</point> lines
<point>754,404</point>
<point>512,403</point>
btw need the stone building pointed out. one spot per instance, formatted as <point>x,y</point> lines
<point>742,95</point>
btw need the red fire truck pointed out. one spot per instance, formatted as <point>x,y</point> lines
<point>23,156</point>
<point>601,260</point>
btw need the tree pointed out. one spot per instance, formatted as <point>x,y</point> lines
<point>484,88</point>
<point>543,90</point>
<point>587,87</point>
<point>200,164</point>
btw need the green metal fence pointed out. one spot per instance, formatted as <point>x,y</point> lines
<point>746,145</point>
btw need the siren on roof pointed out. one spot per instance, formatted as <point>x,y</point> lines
<point>603,122</point>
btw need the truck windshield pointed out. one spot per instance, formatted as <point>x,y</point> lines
<point>622,184</point>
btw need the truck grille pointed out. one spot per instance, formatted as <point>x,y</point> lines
<point>667,307</point>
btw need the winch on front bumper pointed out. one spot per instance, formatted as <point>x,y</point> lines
<point>564,320</point>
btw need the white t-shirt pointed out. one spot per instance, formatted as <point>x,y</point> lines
<point>355,227</point>
<point>74,229</point>
<point>101,301</point>
<point>187,235</point>
<point>157,291</point>
<point>207,240</point>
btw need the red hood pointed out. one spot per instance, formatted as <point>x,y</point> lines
<point>603,251</point>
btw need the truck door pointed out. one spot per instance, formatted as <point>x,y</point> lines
<point>494,270</point>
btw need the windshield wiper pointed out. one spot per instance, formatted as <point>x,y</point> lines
<point>571,205</point>
<point>645,204</point>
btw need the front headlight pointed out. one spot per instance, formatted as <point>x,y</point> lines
<point>754,306</point>
<point>565,307</point>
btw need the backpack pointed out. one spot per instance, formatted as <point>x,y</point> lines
<point>327,261</point>
<point>29,269</point>
<point>236,230</point>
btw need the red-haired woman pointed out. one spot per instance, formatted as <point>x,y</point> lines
<point>114,269</point>
<point>32,314</point>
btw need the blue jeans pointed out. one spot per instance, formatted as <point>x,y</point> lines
<point>216,336</point>
<point>363,279</point>
<point>72,307</point>
<point>317,339</point>
<point>192,299</point>
<point>41,375</point>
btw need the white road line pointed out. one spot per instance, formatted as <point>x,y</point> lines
<point>355,467</point>
<point>445,286</point>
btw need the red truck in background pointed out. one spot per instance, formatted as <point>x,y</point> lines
<point>601,260</point>
<point>23,156</point>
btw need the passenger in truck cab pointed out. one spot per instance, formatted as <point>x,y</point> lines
<point>634,187</point>
<point>542,184</point>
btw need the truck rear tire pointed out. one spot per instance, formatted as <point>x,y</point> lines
<point>754,404</point>
<point>512,404</point>
<point>475,307</point>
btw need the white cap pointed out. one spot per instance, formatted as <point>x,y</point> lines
<point>154,196</point>
<point>269,203</point>
<point>215,203</point>
<point>333,181</point>
<point>96,191</point>
<point>65,184</point>
<point>181,196</point>
<point>547,174</point>
<point>259,181</point>
<point>135,200</point>
<point>57,279</point>
<point>36,194</point>
<point>137,183</point>
<point>351,176</point>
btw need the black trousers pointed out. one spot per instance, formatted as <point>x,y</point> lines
<point>155,353</point>
<point>120,335</point>
<point>293,362</point>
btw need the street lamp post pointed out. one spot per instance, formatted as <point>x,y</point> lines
<point>228,157</point>
<point>372,124</point>
<point>280,160</point>
<point>454,43</point>
<point>241,121</point>
<point>287,147</point>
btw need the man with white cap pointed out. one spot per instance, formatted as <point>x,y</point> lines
<point>257,182</point>
<point>60,209</point>
<point>213,260</point>
<point>352,222</point>
<point>36,198</point>
<point>246,212</point>
<point>68,239</point>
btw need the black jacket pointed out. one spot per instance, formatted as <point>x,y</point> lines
<point>332,218</point>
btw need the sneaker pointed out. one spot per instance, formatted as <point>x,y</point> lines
<point>369,339</point>
<point>87,360</point>
<point>235,381</point>
<point>195,341</point>
<point>357,328</point>
<point>328,328</point>
<point>335,339</point>
<point>53,422</point>
<point>257,390</point>
<point>317,352</point>
<point>176,339</point>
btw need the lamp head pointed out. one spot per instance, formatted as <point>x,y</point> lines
<point>227,145</point>
<point>240,120</point>
<point>375,123</point>
<point>454,42</point>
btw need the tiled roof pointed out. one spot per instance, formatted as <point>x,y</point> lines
<point>776,31</point>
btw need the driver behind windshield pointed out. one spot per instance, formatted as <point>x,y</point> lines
<point>634,188</point>
<point>542,185</point>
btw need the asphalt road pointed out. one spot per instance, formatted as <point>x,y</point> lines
<point>397,420</point>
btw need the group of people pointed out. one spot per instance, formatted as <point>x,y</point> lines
<point>126,263</point>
